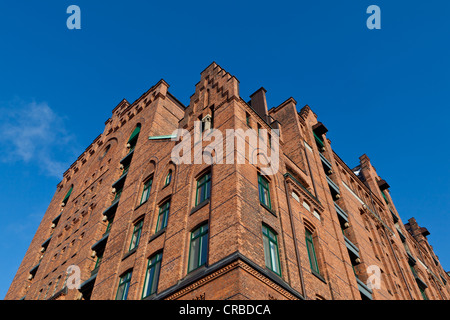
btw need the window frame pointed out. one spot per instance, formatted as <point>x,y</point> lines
<point>168,179</point>
<point>147,187</point>
<point>265,187</point>
<point>247,119</point>
<point>312,255</point>
<point>202,237</point>
<point>164,210</point>
<point>153,266</point>
<point>124,281</point>
<point>132,140</point>
<point>206,185</point>
<point>118,194</point>
<point>423,293</point>
<point>67,196</point>
<point>137,231</point>
<point>98,262</point>
<point>272,238</point>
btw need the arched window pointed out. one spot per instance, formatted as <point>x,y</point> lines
<point>168,178</point>
<point>136,236</point>
<point>146,190</point>
<point>105,151</point>
<point>311,252</point>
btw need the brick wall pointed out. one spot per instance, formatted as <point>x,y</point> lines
<point>353,227</point>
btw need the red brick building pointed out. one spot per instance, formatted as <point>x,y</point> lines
<point>134,224</point>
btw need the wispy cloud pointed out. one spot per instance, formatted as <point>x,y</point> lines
<point>34,133</point>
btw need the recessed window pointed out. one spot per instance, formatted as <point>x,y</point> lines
<point>152,275</point>
<point>125,168</point>
<point>106,151</point>
<point>163,216</point>
<point>109,225</point>
<point>385,198</point>
<point>146,190</point>
<point>124,286</point>
<point>271,253</point>
<point>168,178</point>
<point>264,191</point>
<point>422,292</point>
<point>203,188</point>
<point>118,194</point>
<point>66,198</point>
<point>133,138</point>
<point>136,235</point>
<point>247,119</point>
<point>198,249</point>
<point>97,263</point>
<point>311,252</point>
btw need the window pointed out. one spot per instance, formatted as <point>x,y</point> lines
<point>152,275</point>
<point>146,191</point>
<point>163,216</point>
<point>108,227</point>
<point>198,248</point>
<point>133,138</point>
<point>271,254</point>
<point>124,285</point>
<point>168,178</point>
<point>118,194</point>
<point>422,292</point>
<point>136,235</point>
<point>385,198</point>
<point>48,289</point>
<point>66,198</point>
<point>264,192</point>
<point>97,263</point>
<point>311,252</point>
<point>39,295</point>
<point>56,285</point>
<point>125,169</point>
<point>247,119</point>
<point>106,151</point>
<point>319,142</point>
<point>203,188</point>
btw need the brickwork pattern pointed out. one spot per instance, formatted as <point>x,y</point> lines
<point>349,212</point>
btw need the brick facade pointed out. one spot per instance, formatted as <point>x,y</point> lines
<point>348,212</point>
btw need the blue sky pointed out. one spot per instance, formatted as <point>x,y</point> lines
<point>380,92</point>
